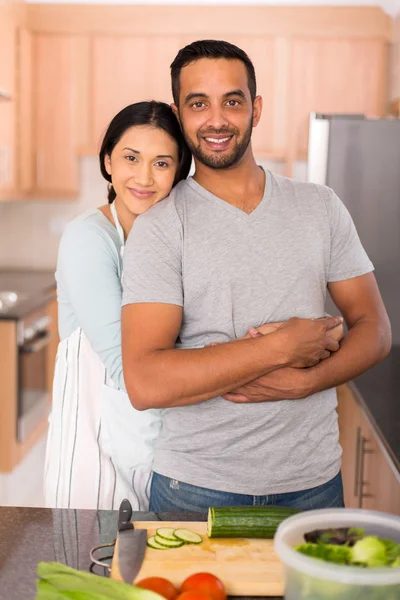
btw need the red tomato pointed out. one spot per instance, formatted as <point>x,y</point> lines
<point>204,582</point>
<point>194,595</point>
<point>159,585</point>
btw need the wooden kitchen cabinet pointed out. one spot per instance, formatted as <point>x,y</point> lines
<point>24,103</point>
<point>334,76</point>
<point>370,479</point>
<point>7,103</point>
<point>128,69</point>
<point>57,64</point>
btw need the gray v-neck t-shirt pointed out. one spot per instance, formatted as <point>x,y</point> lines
<point>231,271</point>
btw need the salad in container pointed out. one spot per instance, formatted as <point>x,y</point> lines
<point>340,554</point>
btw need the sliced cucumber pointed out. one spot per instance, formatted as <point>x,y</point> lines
<point>167,533</point>
<point>188,536</point>
<point>151,542</point>
<point>168,543</point>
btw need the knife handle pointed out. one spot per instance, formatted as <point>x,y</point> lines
<point>124,516</point>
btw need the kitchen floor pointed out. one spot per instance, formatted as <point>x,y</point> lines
<point>24,486</point>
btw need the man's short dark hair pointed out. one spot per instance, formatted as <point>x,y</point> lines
<point>210,49</point>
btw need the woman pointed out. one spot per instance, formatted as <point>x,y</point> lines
<point>99,448</point>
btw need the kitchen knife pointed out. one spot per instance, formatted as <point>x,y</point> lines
<point>131,544</point>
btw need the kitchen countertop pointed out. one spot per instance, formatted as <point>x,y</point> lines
<point>30,535</point>
<point>35,288</point>
<point>379,393</point>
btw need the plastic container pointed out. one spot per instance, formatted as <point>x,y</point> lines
<point>308,578</point>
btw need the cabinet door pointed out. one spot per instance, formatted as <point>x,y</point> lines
<point>7,104</point>
<point>334,76</point>
<point>127,70</point>
<point>379,483</point>
<point>350,435</point>
<point>57,64</point>
<point>369,479</point>
<point>24,130</point>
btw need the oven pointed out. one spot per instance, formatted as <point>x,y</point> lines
<point>33,336</point>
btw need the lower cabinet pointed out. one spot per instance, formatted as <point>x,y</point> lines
<point>370,479</point>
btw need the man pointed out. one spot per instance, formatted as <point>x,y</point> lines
<point>230,248</point>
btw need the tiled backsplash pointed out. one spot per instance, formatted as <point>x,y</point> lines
<point>30,231</point>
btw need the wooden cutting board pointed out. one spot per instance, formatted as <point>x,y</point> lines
<point>248,567</point>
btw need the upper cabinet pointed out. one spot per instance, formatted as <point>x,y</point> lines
<point>128,69</point>
<point>24,142</point>
<point>73,67</point>
<point>57,64</point>
<point>7,104</point>
<point>334,76</point>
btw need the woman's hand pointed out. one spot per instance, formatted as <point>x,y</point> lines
<point>336,333</point>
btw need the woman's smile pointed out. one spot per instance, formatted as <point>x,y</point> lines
<point>141,194</point>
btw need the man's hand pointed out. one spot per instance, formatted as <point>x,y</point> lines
<point>281,384</point>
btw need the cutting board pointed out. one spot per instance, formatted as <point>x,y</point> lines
<point>247,567</point>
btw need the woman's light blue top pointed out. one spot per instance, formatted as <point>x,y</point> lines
<point>89,291</point>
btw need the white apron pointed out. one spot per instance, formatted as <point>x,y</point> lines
<point>99,448</point>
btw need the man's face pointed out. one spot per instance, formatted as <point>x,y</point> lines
<point>216,112</point>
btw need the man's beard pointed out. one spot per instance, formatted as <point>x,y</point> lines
<point>222,160</point>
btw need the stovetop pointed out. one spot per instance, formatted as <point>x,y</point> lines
<point>23,291</point>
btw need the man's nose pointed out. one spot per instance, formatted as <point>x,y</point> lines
<point>217,118</point>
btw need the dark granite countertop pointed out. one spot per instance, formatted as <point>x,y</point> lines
<point>30,535</point>
<point>34,288</point>
<point>379,393</point>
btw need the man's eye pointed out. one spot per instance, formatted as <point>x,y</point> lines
<point>233,102</point>
<point>198,104</point>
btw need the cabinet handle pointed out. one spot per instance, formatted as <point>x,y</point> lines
<point>357,469</point>
<point>362,482</point>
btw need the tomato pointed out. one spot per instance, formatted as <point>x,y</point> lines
<point>204,582</point>
<point>159,585</point>
<point>194,595</point>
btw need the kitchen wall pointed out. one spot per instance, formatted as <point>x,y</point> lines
<point>30,231</point>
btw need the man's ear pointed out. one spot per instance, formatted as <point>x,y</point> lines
<point>175,110</point>
<point>107,163</point>
<point>257,110</point>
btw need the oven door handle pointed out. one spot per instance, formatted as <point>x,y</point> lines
<point>37,344</point>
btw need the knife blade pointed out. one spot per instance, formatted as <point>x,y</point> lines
<point>131,544</point>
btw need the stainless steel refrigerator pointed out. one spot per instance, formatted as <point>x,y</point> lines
<point>359,159</point>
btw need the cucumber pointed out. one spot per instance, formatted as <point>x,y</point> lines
<point>168,543</point>
<point>246,521</point>
<point>167,533</point>
<point>188,536</point>
<point>151,542</point>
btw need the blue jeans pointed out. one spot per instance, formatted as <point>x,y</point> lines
<point>169,495</point>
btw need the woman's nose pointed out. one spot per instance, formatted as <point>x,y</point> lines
<point>143,175</point>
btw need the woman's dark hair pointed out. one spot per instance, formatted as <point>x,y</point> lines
<point>155,114</point>
<point>210,49</point>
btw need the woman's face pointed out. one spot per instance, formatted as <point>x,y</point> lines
<point>143,166</point>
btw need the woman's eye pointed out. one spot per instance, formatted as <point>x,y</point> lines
<point>162,163</point>
<point>131,158</point>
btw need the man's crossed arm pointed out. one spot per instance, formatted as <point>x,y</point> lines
<point>367,342</point>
